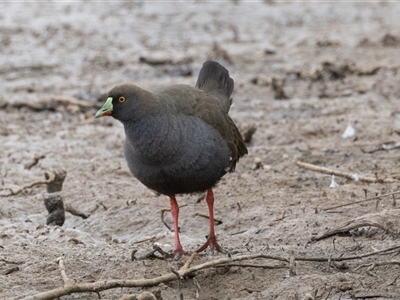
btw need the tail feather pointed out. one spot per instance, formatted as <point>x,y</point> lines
<point>214,79</point>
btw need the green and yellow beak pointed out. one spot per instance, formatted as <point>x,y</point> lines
<point>106,110</point>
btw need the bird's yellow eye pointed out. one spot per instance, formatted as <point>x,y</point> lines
<point>121,99</point>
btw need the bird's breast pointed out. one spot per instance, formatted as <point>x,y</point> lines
<point>176,154</point>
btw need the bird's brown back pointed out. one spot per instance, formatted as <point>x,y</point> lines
<point>214,79</point>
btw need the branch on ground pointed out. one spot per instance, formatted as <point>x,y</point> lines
<point>351,176</point>
<point>73,286</point>
<point>387,220</point>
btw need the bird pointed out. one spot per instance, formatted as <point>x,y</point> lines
<point>180,139</point>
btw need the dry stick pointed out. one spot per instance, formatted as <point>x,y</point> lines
<point>63,273</point>
<point>163,211</point>
<point>179,283</point>
<point>10,270</point>
<point>198,287</point>
<point>152,239</point>
<point>50,179</point>
<point>73,211</point>
<point>330,291</point>
<point>343,258</point>
<point>217,221</point>
<point>343,174</point>
<point>58,100</point>
<point>372,266</point>
<point>282,217</point>
<point>53,180</point>
<point>255,266</point>
<point>373,296</point>
<point>109,284</point>
<point>361,201</point>
<point>347,228</point>
<point>393,281</point>
<point>152,254</point>
<point>34,161</point>
<point>11,262</point>
<point>292,265</point>
<point>74,287</point>
<point>163,220</point>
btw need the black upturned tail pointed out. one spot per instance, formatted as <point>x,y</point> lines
<point>214,79</point>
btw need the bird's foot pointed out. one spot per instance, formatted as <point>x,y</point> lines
<point>178,253</point>
<point>213,244</point>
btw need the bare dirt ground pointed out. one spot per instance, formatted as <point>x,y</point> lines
<point>336,65</point>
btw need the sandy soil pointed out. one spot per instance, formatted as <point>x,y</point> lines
<point>340,66</point>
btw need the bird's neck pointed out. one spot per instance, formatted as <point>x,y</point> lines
<point>142,132</point>
<point>153,139</point>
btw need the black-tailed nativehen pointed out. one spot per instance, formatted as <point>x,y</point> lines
<point>180,139</point>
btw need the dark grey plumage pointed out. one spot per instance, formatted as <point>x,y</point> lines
<point>180,139</point>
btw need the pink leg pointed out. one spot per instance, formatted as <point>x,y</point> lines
<point>212,240</point>
<point>175,213</point>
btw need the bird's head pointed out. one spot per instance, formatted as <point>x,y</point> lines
<point>125,103</point>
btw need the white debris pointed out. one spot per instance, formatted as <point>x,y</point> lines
<point>349,132</point>
<point>355,177</point>
<point>333,182</point>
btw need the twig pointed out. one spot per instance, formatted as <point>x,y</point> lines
<point>163,220</point>
<point>343,258</point>
<point>198,287</point>
<point>239,232</point>
<point>330,291</point>
<point>63,273</point>
<point>217,221</point>
<point>374,296</point>
<point>372,266</point>
<point>282,217</point>
<point>384,146</point>
<point>347,175</point>
<point>292,265</point>
<point>10,270</point>
<point>152,254</point>
<point>152,239</point>
<point>72,210</point>
<point>109,284</point>
<point>385,220</point>
<point>329,263</point>
<point>29,185</point>
<point>393,281</point>
<point>163,211</point>
<point>362,201</point>
<point>255,266</point>
<point>53,179</point>
<point>251,290</point>
<point>11,262</point>
<point>187,269</point>
<point>34,161</point>
<point>179,283</point>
